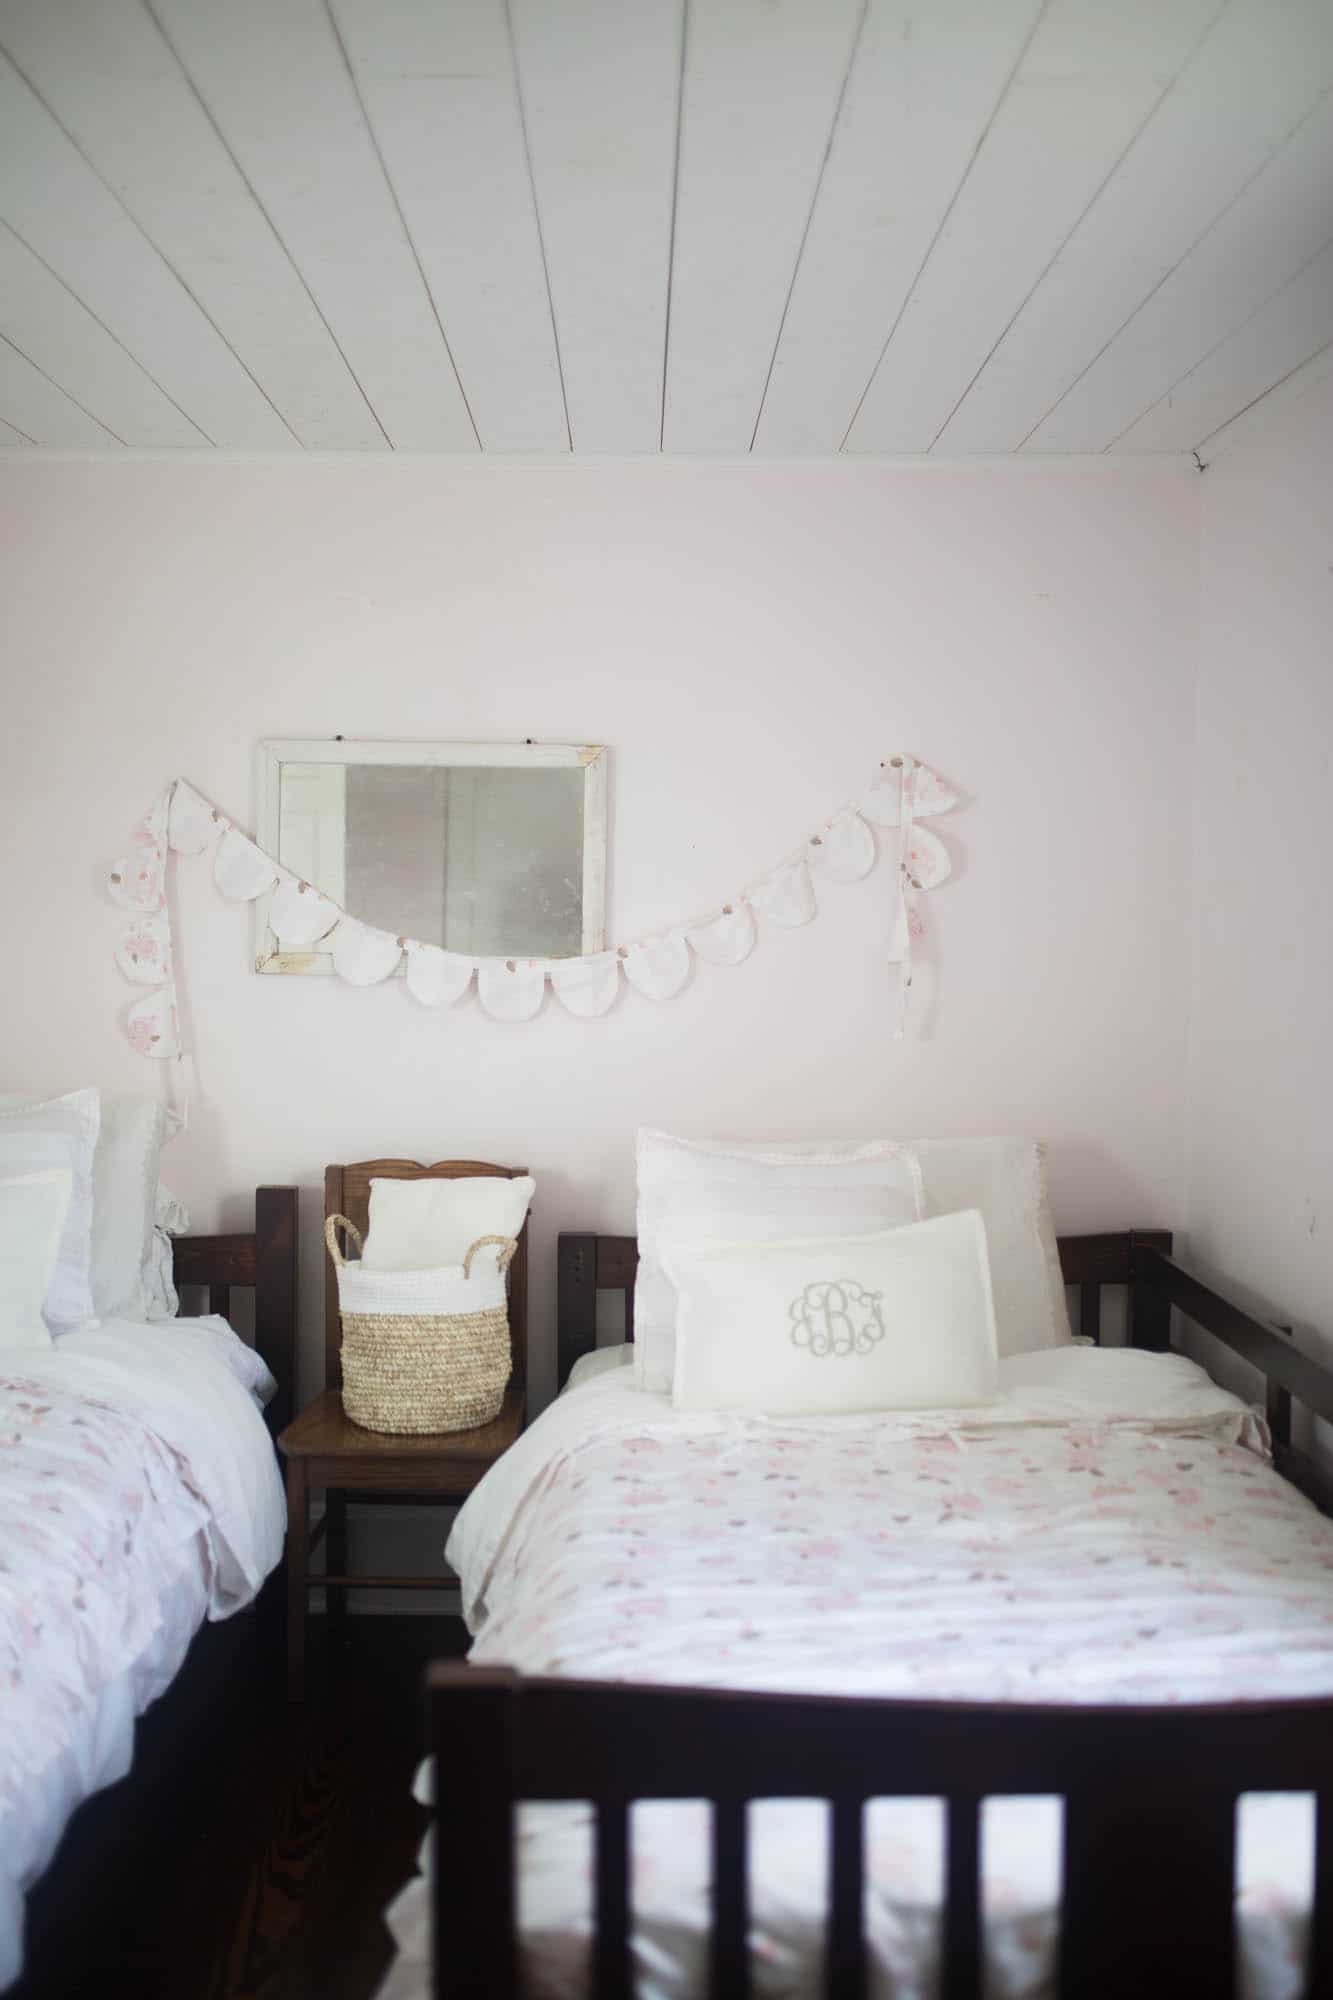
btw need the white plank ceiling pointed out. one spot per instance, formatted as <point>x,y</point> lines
<point>780,227</point>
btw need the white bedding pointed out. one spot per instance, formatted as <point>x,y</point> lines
<point>1107,1532</point>
<point>138,1494</point>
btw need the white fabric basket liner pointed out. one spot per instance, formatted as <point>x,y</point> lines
<point>442,1291</point>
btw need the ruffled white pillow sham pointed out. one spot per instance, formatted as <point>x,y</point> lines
<point>60,1133</point>
<point>899,1320</point>
<point>32,1216</point>
<point>119,1201</point>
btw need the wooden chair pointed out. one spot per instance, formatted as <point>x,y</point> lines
<point>324,1448</point>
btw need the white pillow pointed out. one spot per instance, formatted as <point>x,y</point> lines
<point>900,1320</point>
<point>60,1133</point>
<point>1006,1180</point>
<point>32,1216</point>
<point>125,1174</point>
<point>423,1224</point>
<point>705,1190</point>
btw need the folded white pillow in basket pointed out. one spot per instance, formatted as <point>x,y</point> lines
<point>423,1225</point>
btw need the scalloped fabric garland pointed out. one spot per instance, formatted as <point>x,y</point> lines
<point>845,849</point>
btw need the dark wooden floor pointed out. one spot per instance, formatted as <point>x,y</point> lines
<point>270,1884</point>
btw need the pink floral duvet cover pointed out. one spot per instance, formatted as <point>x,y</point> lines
<point>1110,1533</point>
<point>138,1494</point>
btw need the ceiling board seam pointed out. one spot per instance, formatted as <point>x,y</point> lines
<point>1074,227</point>
<point>18,433</point>
<point>199,98</point>
<point>857,39</point>
<point>537,213</point>
<point>671,234</point>
<point>1255,401</point>
<point>1183,258</point>
<point>401,213</point>
<point>950,206</point>
<point>156,249</point>
<point>1221,341</point>
<point>60,388</point>
<point>83,306</point>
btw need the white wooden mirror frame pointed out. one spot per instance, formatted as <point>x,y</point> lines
<point>592,757</point>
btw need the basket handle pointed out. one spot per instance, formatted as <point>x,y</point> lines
<point>331,1228</point>
<point>509,1249</point>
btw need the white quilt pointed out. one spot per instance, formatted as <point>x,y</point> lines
<point>138,1493</point>
<point>1108,1532</point>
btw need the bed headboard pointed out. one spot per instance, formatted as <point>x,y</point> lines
<point>1139,1259</point>
<point>263,1259</point>
<point>588,1265</point>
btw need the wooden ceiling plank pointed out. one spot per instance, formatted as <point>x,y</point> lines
<point>1286,332</point>
<point>274,80</point>
<point>599,88</point>
<point>1283,218</point>
<point>438,86</point>
<point>1090,78</point>
<point>1255,76</point>
<point>41,316</point>
<point>39,407</point>
<point>924,86</point>
<point>110,77</point>
<point>761,93</point>
<point>55,200</point>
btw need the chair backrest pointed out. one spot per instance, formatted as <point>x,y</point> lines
<point>347,1192</point>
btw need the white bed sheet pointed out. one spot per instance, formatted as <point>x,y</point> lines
<point>138,1495</point>
<point>1107,1532</point>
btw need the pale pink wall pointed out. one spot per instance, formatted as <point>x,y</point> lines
<point>1260,1115</point>
<point>750,641</point>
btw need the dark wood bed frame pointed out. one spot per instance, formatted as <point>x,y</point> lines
<point>111,1839</point>
<point>1150,1793</point>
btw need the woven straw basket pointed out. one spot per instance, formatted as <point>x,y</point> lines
<point>422,1351</point>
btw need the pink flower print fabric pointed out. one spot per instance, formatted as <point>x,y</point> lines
<point>94,1519</point>
<point>1092,1561</point>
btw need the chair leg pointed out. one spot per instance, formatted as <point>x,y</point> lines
<point>298,1557</point>
<point>335,1557</point>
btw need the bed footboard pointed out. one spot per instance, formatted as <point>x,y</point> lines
<point>1150,1811</point>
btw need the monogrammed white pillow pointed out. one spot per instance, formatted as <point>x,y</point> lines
<point>696,1191</point>
<point>899,1320</point>
<point>423,1224</point>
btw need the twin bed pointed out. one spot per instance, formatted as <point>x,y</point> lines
<point>140,1505</point>
<point>1028,1699</point>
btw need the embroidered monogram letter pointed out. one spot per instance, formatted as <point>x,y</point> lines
<point>836,1317</point>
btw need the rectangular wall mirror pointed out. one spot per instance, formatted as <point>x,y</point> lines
<point>497,850</point>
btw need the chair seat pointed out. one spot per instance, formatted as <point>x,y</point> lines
<point>342,1453</point>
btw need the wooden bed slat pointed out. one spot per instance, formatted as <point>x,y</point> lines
<point>845,1976</point>
<point>1090,1311</point>
<point>1148,1885</point>
<point>474,1952</point>
<point>1319,1964</point>
<point>961,1955</point>
<point>729,1946</point>
<point>611,1959</point>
